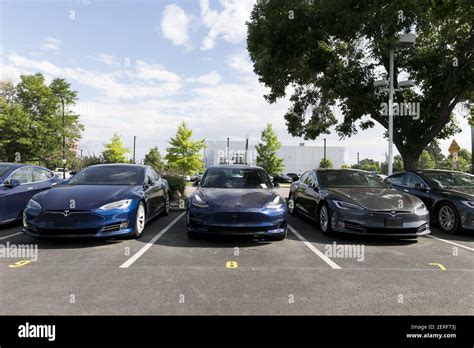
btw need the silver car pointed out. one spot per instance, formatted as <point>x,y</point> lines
<point>356,202</point>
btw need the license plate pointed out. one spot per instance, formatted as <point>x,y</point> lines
<point>393,223</point>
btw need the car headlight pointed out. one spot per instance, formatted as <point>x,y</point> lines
<point>198,202</point>
<point>32,204</point>
<point>117,205</point>
<point>347,205</point>
<point>470,204</point>
<point>276,203</point>
<point>421,209</point>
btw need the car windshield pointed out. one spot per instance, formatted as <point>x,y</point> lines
<point>449,179</point>
<point>236,178</point>
<point>4,168</point>
<point>108,175</point>
<point>347,178</point>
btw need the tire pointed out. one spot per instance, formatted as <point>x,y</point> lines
<point>166,211</point>
<point>324,219</point>
<point>447,218</point>
<point>292,205</point>
<point>139,221</point>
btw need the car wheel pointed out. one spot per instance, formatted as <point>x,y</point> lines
<point>291,205</point>
<point>139,220</point>
<point>324,219</point>
<point>448,218</point>
<point>167,205</point>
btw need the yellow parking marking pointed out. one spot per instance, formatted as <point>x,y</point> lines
<point>441,267</point>
<point>19,264</point>
<point>231,264</point>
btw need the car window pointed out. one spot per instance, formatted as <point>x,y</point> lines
<point>304,177</point>
<point>222,177</point>
<point>23,175</point>
<point>154,175</point>
<point>40,174</point>
<point>4,168</point>
<point>109,175</point>
<point>412,180</point>
<point>149,176</point>
<point>396,179</point>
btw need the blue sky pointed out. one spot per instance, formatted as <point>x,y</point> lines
<point>141,67</point>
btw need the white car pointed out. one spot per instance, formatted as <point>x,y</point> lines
<point>59,173</point>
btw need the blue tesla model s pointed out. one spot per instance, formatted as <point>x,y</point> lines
<point>18,183</point>
<point>237,200</point>
<point>102,201</point>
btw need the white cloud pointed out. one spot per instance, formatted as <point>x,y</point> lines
<point>241,63</point>
<point>175,25</point>
<point>211,79</point>
<point>51,44</point>
<point>107,59</point>
<point>107,83</point>
<point>147,71</point>
<point>228,24</point>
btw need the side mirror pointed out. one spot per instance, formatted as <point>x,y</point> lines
<point>421,187</point>
<point>196,183</point>
<point>315,187</point>
<point>275,184</point>
<point>12,183</point>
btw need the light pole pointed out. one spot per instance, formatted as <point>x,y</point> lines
<point>134,146</point>
<point>403,41</point>
<point>324,149</point>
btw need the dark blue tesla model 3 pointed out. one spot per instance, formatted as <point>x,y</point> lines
<point>237,200</point>
<point>20,182</point>
<point>102,201</point>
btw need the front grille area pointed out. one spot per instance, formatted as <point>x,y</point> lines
<point>240,217</point>
<point>392,230</point>
<point>65,232</point>
<point>57,218</point>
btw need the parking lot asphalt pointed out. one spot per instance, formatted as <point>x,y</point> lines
<point>166,273</point>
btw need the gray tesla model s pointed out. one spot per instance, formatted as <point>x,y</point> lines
<point>357,202</point>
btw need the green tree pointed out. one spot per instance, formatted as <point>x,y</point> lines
<point>426,161</point>
<point>325,163</point>
<point>345,166</point>
<point>32,123</point>
<point>115,152</point>
<point>153,158</point>
<point>267,152</point>
<point>368,164</point>
<point>184,155</point>
<point>397,165</point>
<point>299,44</point>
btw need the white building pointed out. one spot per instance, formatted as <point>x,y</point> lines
<point>297,159</point>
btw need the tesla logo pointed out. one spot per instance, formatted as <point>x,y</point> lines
<point>66,212</point>
<point>393,213</point>
<point>237,205</point>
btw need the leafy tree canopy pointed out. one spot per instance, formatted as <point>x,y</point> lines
<point>330,51</point>
<point>115,152</point>
<point>154,159</point>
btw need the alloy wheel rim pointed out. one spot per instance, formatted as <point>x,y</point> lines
<point>140,219</point>
<point>323,218</point>
<point>447,218</point>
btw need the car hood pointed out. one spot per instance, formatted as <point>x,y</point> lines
<point>237,198</point>
<point>86,197</point>
<point>464,193</point>
<point>377,198</point>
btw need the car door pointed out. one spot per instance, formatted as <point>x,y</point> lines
<point>151,194</point>
<point>396,180</point>
<point>160,188</point>
<point>300,192</point>
<point>312,194</point>
<point>43,179</point>
<point>415,185</point>
<point>16,198</point>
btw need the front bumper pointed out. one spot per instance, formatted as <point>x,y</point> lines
<point>249,222</point>
<point>79,224</point>
<point>374,223</point>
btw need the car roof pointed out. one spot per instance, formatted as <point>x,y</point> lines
<point>16,165</point>
<point>236,166</point>
<point>341,170</point>
<point>119,165</point>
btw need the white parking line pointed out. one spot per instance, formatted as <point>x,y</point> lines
<point>11,235</point>
<point>449,242</point>
<point>314,249</point>
<point>148,245</point>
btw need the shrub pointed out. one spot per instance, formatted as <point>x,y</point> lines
<point>176,184</point>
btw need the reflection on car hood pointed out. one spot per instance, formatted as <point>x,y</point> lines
<point>234,198</point>
<point>86,197</point>
<point>378,198</point>
<point>462,193</point>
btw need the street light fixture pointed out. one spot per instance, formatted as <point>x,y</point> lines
<point>403,41</point>
<point>64,135</point>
